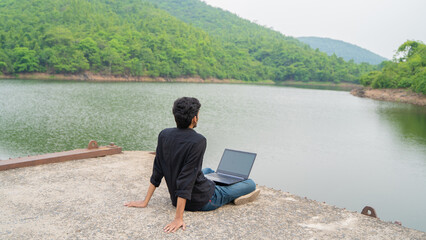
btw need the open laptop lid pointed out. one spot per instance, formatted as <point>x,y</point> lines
<point>237,163</point>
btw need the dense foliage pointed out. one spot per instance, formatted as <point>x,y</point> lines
<point>343,49</point>
<point>162,38</point>
<point>407,70</point>
<point>286,58</point>
<point>110,37</point>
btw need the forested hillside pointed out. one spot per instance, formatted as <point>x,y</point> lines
<point>285,57</point>
<point>158,38</point>
<point>109,37</point>
<point>407,70</point>
<point>343,49</point>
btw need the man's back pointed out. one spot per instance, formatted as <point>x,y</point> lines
<point>179,159</point>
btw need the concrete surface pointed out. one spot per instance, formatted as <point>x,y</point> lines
<point>84,199</point>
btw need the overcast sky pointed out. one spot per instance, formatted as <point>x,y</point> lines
<point>380,26</point>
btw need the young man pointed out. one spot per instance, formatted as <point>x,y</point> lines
<point>179,158</point>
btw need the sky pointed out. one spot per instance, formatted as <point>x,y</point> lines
<point>380,26</point>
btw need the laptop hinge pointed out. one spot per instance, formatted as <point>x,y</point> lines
<point>230,175</point>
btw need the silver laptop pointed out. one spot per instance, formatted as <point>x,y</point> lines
<point>235,166</point>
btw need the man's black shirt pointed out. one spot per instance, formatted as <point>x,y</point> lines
<point>179,159</point>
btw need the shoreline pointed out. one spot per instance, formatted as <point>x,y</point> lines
<point>391,95</point>
<point>320,85</point>
<point>92,77</point>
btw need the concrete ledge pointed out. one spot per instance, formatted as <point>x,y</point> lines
<point>84,200</point>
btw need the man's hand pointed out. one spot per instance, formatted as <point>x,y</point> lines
<point>175,225</point>
<point>144,203</point>
<point>138,204</point>
<point>178,222</point>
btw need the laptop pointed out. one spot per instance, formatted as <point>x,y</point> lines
<point>235,166</point>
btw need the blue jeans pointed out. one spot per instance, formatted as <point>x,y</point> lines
<point>226,194</point>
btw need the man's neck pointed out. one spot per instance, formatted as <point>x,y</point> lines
<point>192,125</point>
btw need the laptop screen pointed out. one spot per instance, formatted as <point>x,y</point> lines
<point>236,163</point>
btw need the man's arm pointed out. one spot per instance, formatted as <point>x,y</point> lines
<point>144,203</point>
<point>185,183</point>
<point>178,222</point>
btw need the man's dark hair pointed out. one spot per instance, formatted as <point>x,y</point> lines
<point>184,110</point>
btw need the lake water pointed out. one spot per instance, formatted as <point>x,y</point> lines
<point>326,145</point>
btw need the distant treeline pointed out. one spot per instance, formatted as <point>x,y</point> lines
<point>407,70</point>
<point>163,38</point>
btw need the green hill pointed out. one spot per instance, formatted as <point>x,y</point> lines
<point>155,38</point>
<point>108,37</point>
<point>343,49</point>
<point>288,58</point>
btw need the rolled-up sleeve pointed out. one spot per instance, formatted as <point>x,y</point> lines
<point>157,173</point>
<point>187,176</point>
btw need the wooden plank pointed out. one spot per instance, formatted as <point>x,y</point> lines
<point>59,157</point>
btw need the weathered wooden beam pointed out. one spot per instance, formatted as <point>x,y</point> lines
<point>92,151</point>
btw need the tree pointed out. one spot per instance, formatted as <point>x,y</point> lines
<point>5,63</point>
<point>58,36</point>
<point>112,59</point>
<point>90,50</point>
<point>69,61</point>
<point>406,50</point>
<point>24,60</point>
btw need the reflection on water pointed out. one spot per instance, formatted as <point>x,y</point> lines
<point>318,86</point>
<point>326,145</point>
<point>408,120</point>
